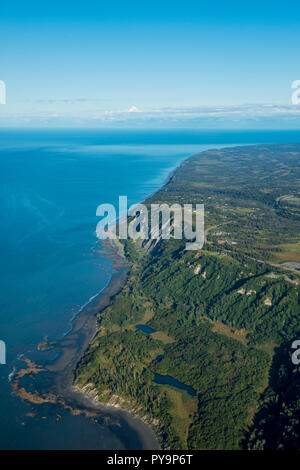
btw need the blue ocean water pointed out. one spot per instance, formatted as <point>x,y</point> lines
<point>51,183</point>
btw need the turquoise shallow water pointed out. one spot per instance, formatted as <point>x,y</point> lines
<point>51,183</point>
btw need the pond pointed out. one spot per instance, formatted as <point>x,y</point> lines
<point>169,380</point>
<point>159,357</point>
<point>145,329</point>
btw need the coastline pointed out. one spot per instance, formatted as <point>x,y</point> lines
<point>85,403</point>
<point>76,342</point>
<point>70,350</point>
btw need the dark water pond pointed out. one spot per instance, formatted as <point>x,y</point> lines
<point>168,380</point>
<point>159,357</point>
<point>145,329</point>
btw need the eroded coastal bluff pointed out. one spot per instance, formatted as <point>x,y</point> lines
<point>197,343</point>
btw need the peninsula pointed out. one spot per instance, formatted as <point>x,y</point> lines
<point>199,343</point>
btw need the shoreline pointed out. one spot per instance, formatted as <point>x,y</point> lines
<point>75,343</point>
<point>71,349</point>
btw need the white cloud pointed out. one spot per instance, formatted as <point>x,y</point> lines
<point>267,113</point>
<point>133,109</point>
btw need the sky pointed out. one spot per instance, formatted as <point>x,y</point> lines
<point>149,63</point>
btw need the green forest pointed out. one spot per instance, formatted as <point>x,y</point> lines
<point>222,318</point>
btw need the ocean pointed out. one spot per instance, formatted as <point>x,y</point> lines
<point>51,182</point>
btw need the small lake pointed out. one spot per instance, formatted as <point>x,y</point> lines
<point>169,380</point>
<point>159,357</point>
<point>145,329</point>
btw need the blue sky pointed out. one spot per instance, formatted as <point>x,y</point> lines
<point>164,63</point>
